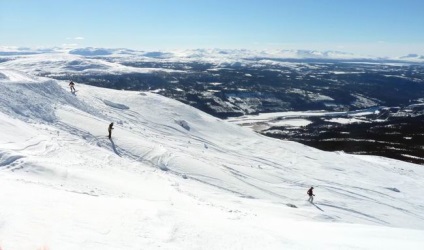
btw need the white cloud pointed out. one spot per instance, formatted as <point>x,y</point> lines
<point>69,45</point>
<point>75,38</point>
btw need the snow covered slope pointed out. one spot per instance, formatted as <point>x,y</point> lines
<point>173,177</point>
<point>64,63</point>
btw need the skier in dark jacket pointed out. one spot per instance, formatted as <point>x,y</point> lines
<point>311,194</point>
<point>72,86</point>
<point>110,130</point>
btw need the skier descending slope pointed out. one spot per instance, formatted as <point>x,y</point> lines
<point>311,194</point>
<point>72,86</point>
<point>110,130</point>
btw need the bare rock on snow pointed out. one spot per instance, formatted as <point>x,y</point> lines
<point>183,124</point>
<point>394,190</point>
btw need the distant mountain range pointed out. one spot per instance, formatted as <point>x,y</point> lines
<point>209,53</point>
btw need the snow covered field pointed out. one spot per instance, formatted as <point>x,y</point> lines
<point>173,177</point>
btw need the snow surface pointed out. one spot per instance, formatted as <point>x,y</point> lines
<point>64,63</point>
<point>291,115</point>
<point>291,122</point>
<point>173,177</point>
<point>265,117</point>
<point>346,120</point>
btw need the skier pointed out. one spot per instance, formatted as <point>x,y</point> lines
<point>110,130</point>
<point>72,86</point>
<point>311,194</point>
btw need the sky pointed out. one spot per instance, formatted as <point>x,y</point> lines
<point>371,27</point>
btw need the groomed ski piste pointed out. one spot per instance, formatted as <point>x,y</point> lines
<point>173,177</point>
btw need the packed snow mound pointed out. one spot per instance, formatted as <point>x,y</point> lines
<point>173,177</point>
<point>9,75</point>
<point>28,97</point>
<point>115,105</point>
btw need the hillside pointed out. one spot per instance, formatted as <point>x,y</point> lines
<point>173,177</point>
<point>385,95</point>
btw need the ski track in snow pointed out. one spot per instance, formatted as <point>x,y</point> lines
<point>143,186</point>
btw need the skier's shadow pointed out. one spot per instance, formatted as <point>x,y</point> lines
<point>317,206</point>
<point>114,147</point>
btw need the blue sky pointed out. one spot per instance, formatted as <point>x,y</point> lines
<point>378,27</point>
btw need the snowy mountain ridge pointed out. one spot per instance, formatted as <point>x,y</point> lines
<point>205,54</point>
<point>173,177</point>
